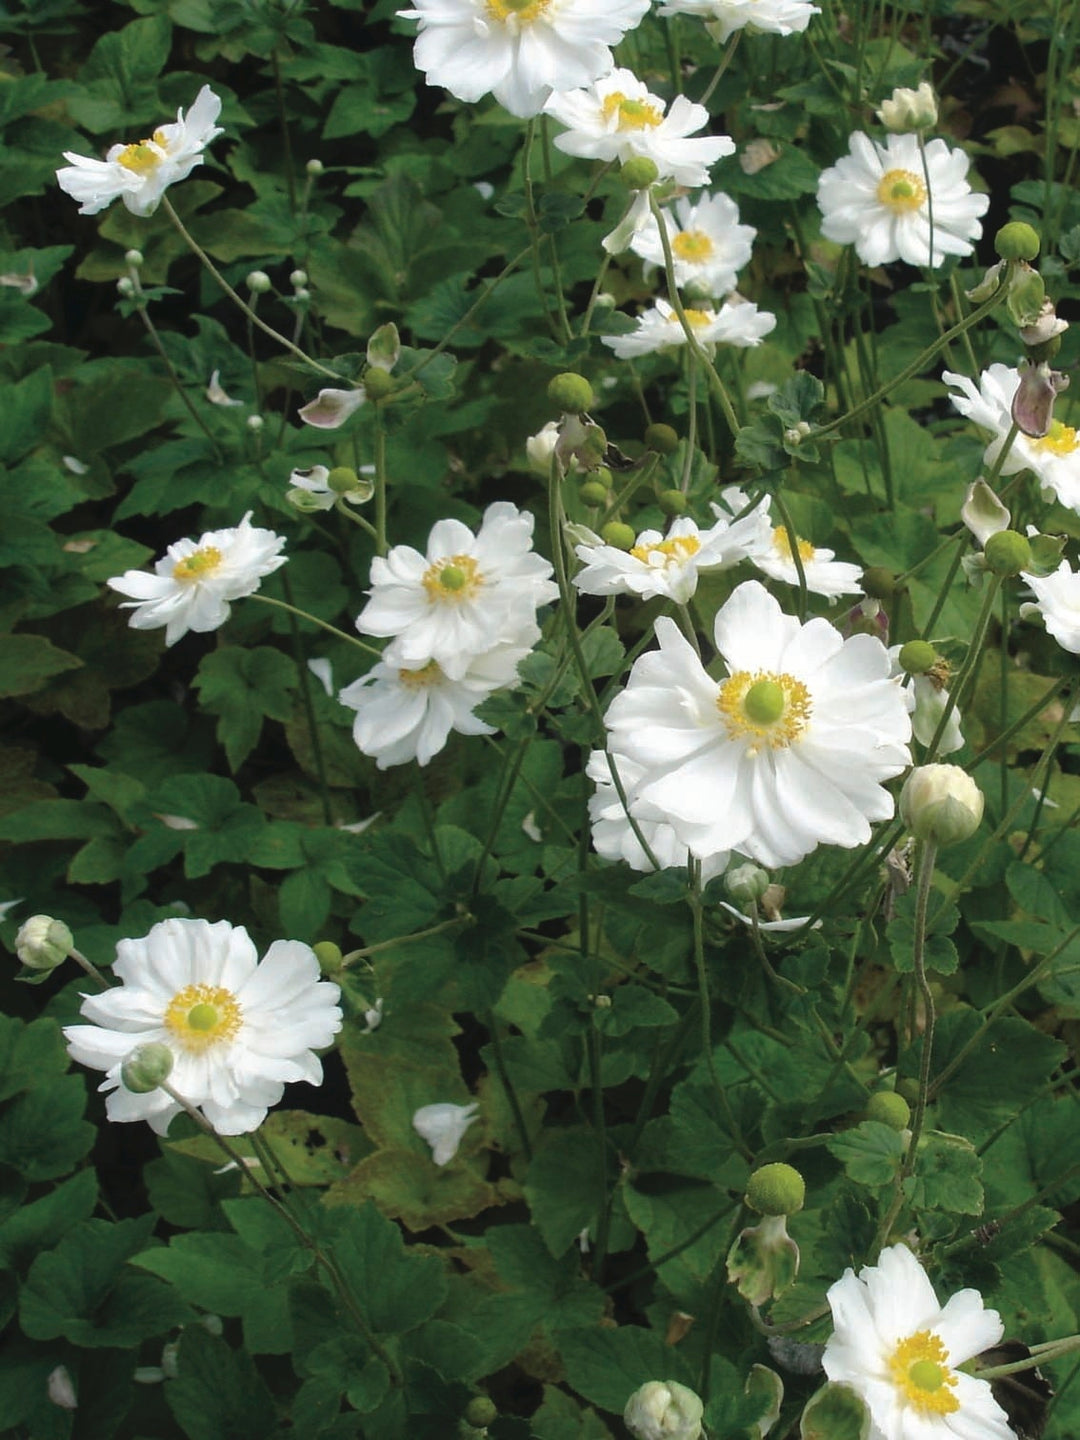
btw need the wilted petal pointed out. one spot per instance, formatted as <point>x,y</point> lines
<point>983,513</point>
<point>331,408</point>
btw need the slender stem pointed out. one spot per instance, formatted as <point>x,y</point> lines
<point>485,294</point>
<point>696,909</point>
<point>729,55</point>
<point>459,922</point>
<point>381,481</point>
<point>322,624</point>
<point>304,677</point>
<point>793,546</point>
<point>956,691</point>
<point>927,857</point>
<point>91,969</point>
<point>508,1086</point>
<point>170,369</point>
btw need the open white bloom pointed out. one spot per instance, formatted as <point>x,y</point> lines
<point>789,751</point>
<point>407,714</point>
<point>443,1126</point>
<point>618,117</point>
<point>238,1029</point>
<point>825,575</point>
<point>900,1351</point>
<point>518,50</point>
<point>876,198</point>
<point>195,580</point>
<point>140,173</point>
<point>466,595</point>
<point>1057,600</point>
<point>1054,460</point>
<point>723,17</point>
<point>927,699</point>
<point>738,322</point>
<point>616,839</point>
<point>708,245</point>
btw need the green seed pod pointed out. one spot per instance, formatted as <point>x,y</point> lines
<point>329,957</point>
<point>639,173</point>
<point>378,383</point>
<point>594,492</point>
<point>889,1108</point>
<point>342,479</point>
<point>1008,552</point>
<point>917,657</point>
<point>1017,241</point>
<point>879,583</point>
<point>776,1189</point>
<point>571,393</point>
<point>661,438</point>
<point>672,502</point>
<point>480,1411</point>
<point>618,534</point>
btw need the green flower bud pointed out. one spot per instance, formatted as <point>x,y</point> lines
<point>1017,241</point>
<point>571,393</point>
<point>908,111</point>
<point>639,173</point>
<point>746,884</point>
<point>342,479</point>
<point>776,1189</point>
<point>255,422</point>
<point>618,534</point>
<point>43,943</point>
<point>941,804</point>
<point>661,438</point>
<point>480,1411</point>
<point>594,492</point>
<point>888,1108</point>
<point>672,502</point>
<point>378,383</point>
<point>134,258</point>
<point>315,167</point>
<point>147,1067</point>
<point>125,287</point>
<point>258,282</point>
<point>917,657</point>
<point>298,279</point>
<point>1007,553</point>
<point>664,1410</point>
<point>329,957</point>
<point>879,583</point>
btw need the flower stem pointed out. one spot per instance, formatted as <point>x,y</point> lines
<point>694,900</point>
<point>322,624</point>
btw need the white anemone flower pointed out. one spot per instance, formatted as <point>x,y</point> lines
<point>618,117</point>
<point>443,1127</point>
<point>825,575</point>
<point>408,714</point>
<point>615,838</point>
<point>791,750</point>
<point>140,173</point>
<point>195,580</point>
<point>239,1030</point>
<point>1057,601</point>
<point>468,593</point>
<point>723,17</point>
<point>900,1350</point>
<point>708,245</point>
<point>518,50</point>
<point>1054,460</point>
<point>738,322</point>
<point>876,198</point>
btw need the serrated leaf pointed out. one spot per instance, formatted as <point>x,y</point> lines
<point>870,1153</point>
<point>242,687</point>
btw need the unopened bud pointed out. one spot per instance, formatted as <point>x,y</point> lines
<point>255,422</point>
<point>315,167</point>
<point>146,1068</point>
<point>917,657</point>
<point>1017,241</point>
<point>258,282</point>
<point>639,173</point>
<point>298,279</point>
<point>661,438</point>
<point>888,1108</point>
<point>134,258</point>
<point>879,583</point>
<point>1007,553</point>
<point>746,884</point>
<point>329,957</point>
<point>42,943</point>
<point>618,534</point>
<point>571,393</point>
<point>301,295</point>
<point>672,502</point>
<point>125,287</point>
<point>664,1410</point>
<point>907,111</point>
<point>941,804</point>
<point>776,1189</point>
<point>481,1411</point>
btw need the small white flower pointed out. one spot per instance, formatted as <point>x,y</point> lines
<point>1057,601</point>
<point>193,583</point>
<point>60,1389</point>
<point>723,17</point>
<point>443,1126</point>
<point>906,110</point>
<point>738,322</point>
<point>708,245</point>
<point>618,117</point>
<point>901,1351</point>
<point>927,699</point>
<point>373,1017</point>
<point>331,408</point>
<point>825,575</point>
<point>613,835</point>
<point>239,1029</point>
<point>518,50</point>
<point>216,394</point>
<point>876,199</point>
<point>140,173</point>
<point>323,671</point>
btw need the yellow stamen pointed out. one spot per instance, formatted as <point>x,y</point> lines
<point>524,11</point>
<point>674,551</point>
<point>453,579</point>
<point>201,1016</point>
<point>693,246</point>
<point>1061,440</point>
<point>697,318</point>
<point>198,564</point>
<point>782,544</point>
<point>140,158</point>
<point>919,1369</point>
<point>630,114</point>
<point>901,191</point>
<point>428,674</point>
<point>764,708</point>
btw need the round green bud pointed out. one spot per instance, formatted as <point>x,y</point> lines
<point>125,287</point>
<point>315,167</point>
<point>378,383</point>
<point>571,393</point>
<point>342,479</point>
<point>908,1087</point>
<point>301,296</point>
<point>673,502</point>
<point>888,1108</point>
<point>941,804</point>
<point>776,1190</point>
<point>746,884</point>
<point>594,492</point>
<point>661,438</point>
<point>1007,553</point>
<point>618,534</point>
<point>255,422</point>
<point>134,258</point>
<point>639,173</point>
<point>149,1066</point>
<point>480,1411</point>
<point>298,279</point>
<point>1017,241</point>
<point>43,943</point>
<point>258,282</point>
<point>917,657</point>
<point>879,583</point>
<point>329,957</point>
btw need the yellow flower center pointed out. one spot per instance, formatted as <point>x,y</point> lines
<point>782,544</point>
<point>674,551</point>
<point>631,114</point>
<point>453,579</point>
<point>201,1016</point>
<point>428,674</point>
<point>764,708</point>
<point>697,318</point>
<point>901,191</point>
<point>141,158</point>
<point>197,565</point>
<point>693,245</point>
<point>524,11</point>
<point>1061,440</point>
<point>920,1372</point>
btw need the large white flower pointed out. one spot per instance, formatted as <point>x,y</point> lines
<point>239,1030</point>
<point>825,575</point>
<point>619,117</point>
<point>723,17</point>
<point>738,322</point>
<point>519,50</point>
<point>900,1351</point>
<point>404,715</point>
<point>1054,460</point>
<point>790,751</point>
<point>195,580</point>
<point>708,245</point>
<point>468,593</point>
<point>616,839</point>
<point>1057,600</point>
<point>876,198</point>
<point>140,173</point>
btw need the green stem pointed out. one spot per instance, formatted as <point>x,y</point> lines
<point>485,295</point>
<point>459,922</point>
<point>322,624</point>
<point>956,691</point>
<point>693,898</point>
<point>508,1086</point>
<point>381,482</point>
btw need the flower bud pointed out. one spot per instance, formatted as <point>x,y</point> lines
<point>907,111</point>
<point>42,943</point>
<point>298,279</point>
<point>134,258</point>
<point>594,492</point>
<point>879,583</point>
<point>661,438</point>
<point>1017,241</point>
<point>776,1189</point>
<point>639,172</point>
<point>746,884</point>
<point>147,1067</point>
<point>664,1410</point>
<point>329,956</point>
<point>301,296</point>
<point>618,534</point>
<point>258,282</point>
<point>917,657</point>
<point>888,1108</point>
<point>1008,552</point>
<point>672,502</point>
<point>571,393</point>
<point>315,167</point>
<point>125,287</point>
<point>255,422</point>
<point>384,347</point>
<point>941,803</point>
<point>481,1411</point>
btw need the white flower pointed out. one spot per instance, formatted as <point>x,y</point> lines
<point>238,1030</point>
<point>779,927</point>
<point>824,574</point>
<point>331,408</point>
<point>927,698</point>
<point>317,492</point>
<point>195,580</point>
<point>738,322</point>
<point>708,245</point>
<point>723,17</point>
<point>407,714</point>
<point>618,118</point>
<point>791,750</point>
<point>139,173</point>
<point>442,1126</point>
<point>900,1351</point>
<point>216,394</point>
<point>663,1410</point>
<point>876,199</point>
<point>466,595</point>
<point>613,835</point>
<point>519,50</point>
<point>1057,600</point>
<point>373,1017</point>
<point>1054,460</point>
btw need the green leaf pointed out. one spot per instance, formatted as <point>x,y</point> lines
<point>42,1133</point>
<point>565,1185</point>
<point>43,1223</point>
<point>633,1006</point>
<point>946,1175</point>
<point>835,1413</point>
<point>607,1366</point>
<point>870,1153</point>
<point>29,1054</point>
<point>939,952</point>
<point>27,662</point>
<point>242,687</point>
<point>218,1394</point>
<point>397,1289</point>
